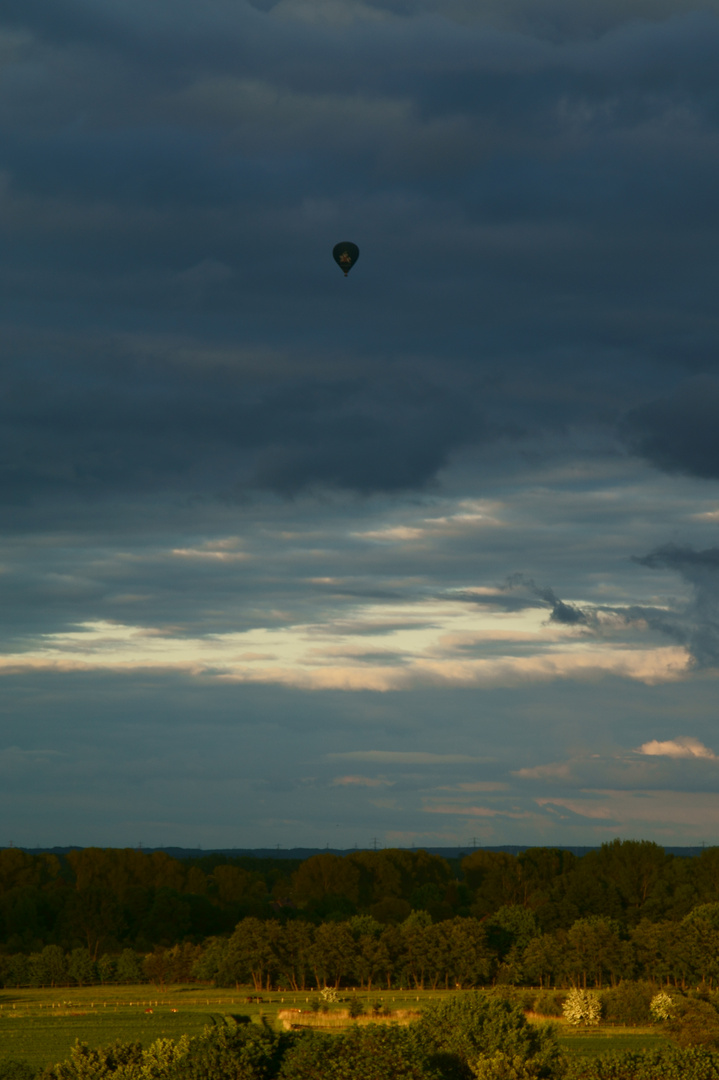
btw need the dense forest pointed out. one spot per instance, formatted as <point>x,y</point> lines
<point>544,917</point>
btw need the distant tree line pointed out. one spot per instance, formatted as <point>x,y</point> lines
<point>394,917</point>
<point>105,899</point>
<point>507,948</point>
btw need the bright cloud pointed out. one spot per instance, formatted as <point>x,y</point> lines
<point>426,643</point>
<point>682,747</point>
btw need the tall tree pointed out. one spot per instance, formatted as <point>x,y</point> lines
<point>333,953</point>
<point>294,952</point>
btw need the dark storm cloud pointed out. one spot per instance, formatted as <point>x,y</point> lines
<point>556,20</point>
<point>534,202</point>
<point>698,625</point>
<point>680,432</point>
<point>561,612</point>
<point>684,559</point>
<point>694,625</point>
<point>128,425</point>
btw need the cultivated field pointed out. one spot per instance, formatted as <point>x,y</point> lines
<point>603,1039</point>
<point>41,1025</point>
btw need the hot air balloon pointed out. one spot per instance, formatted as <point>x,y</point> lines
<point>345,255</point>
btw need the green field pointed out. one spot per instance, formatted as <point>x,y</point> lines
<point>602,1040</point>
<point>40,1026</point>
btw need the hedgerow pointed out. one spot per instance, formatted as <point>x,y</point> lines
<point>670,1063</point>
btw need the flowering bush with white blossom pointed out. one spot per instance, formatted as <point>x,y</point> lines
<point>662,1006</point>
<point>582,1007</point>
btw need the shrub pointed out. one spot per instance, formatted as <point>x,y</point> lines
<point>669,1063</point>
<point>375,1052</point>
<point>628,1003</point>
<point>309,1057</point>
<point>696,1023</point>
<point>356,1008</point>
<point>232,1052</point>
<point>85,1063</point>
<point>10,1069</point>
<point>160,1058</point>
<point>548,1002</point>
<point>505,992</point>
<point>500,1066</point>
<point>526,998</point>
<point>582,1007</point>
<point>459,1034</point>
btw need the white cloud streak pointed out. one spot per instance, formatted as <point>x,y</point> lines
<point>397,646</point>
<point>405,757</point>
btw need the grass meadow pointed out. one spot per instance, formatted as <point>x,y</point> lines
<point>41,1025</point>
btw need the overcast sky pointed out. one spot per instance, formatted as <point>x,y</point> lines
<point>428,554</point>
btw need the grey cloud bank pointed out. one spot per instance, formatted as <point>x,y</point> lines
<point>428,552</point>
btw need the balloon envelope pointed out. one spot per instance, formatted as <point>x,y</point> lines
<point>345,255</point>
